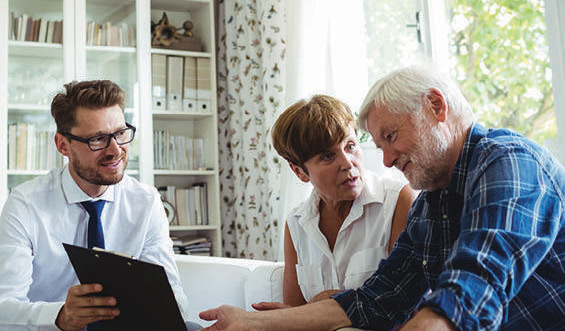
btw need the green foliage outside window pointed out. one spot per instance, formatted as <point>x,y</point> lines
<point>502,63</point>
<point>499,57</point>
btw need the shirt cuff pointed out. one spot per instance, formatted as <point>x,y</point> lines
<point>47,316</point>
<point>447,304</point>
<point>347,300</point>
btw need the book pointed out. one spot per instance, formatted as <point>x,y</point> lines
<point>203,201</point>
<point>58,32</point>
<point>11,26</point>
<point>174,82</point>
<point>12,146</point>
<point>188,239</point>
<point>49,33</point>
<point>42,31</point>
<point>145,297</point>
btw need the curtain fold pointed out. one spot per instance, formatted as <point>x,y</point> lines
<point>251,50</point>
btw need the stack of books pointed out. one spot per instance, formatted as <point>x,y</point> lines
<point>30,149</point>
<point>176,152</point>
<point>191,204</point>
<point>25,28</point>
<point>192,245</point>
<point>106,34</point>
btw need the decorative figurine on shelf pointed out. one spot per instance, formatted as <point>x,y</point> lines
<point>188,26</point>
<point>165,35</point>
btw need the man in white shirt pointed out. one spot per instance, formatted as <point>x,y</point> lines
<point>38,287</point>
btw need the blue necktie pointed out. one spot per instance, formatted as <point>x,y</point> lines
<point>95,232</point>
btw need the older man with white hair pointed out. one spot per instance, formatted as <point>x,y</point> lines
<point>484,246</point>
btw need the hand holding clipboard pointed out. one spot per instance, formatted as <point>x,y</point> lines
<point>143,293</point>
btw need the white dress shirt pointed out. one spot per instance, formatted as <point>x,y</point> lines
<point>40,215</point>
<point>361,243</point>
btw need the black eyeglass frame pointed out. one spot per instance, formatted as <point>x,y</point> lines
<point>109,135</point>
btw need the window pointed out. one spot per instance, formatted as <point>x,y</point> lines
<point>497,50</point>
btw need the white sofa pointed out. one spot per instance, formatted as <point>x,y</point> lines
<point>210,282</point>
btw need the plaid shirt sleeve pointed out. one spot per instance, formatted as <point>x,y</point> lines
<point>390,294</point>
<point>509,225</point>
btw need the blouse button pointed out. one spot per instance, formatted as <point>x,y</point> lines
<point>444,216</point>
<point>424,263</point>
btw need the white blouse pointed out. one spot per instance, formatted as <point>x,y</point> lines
<point>361,243</point>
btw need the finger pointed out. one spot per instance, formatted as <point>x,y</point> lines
<point>91,301</point>
<point>99,313</point>
<point>84,289</point>
<point>209,315</point>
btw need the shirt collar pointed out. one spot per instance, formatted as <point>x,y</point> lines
<point>459,175</point>
<point>372,192</point>
<point>74,194</point>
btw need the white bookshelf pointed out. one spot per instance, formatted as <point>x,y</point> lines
<point>25,95</point>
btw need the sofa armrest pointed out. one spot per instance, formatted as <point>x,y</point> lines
<point>210,282</point>
<point>264,284</point>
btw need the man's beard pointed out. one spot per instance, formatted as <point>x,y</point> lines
<point>429,160</point>
<point>92,176</point>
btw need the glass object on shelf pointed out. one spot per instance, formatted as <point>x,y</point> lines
<point>33,80</point>
<point>119,67</point>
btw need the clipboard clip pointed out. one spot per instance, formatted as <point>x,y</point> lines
<point>112,252</point>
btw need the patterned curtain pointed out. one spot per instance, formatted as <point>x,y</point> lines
<point>251,50</point>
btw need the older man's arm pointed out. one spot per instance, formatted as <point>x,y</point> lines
<point>321,315</point>
<point>427,320</point>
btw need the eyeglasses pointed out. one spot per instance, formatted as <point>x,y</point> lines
<point>102,141</point>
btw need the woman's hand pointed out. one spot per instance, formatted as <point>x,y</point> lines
<point>323,295</point>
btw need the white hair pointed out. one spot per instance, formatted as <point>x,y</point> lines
<point>403,90</point>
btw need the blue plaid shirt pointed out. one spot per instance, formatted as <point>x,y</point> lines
<point>487,252</point>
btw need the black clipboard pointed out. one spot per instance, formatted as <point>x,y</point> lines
<point>145,298</point>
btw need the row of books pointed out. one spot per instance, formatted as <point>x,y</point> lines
<point>176,152</point>
<point>106,34</point>
<point>181,83</point>
<point>192,245</point>
<point>31,149</point>
<point>191,204</point>
<point>25,28</point>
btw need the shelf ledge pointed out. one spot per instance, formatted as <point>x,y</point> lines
<point>177,52</point>
<point>178,115</point>
<point>207,172</point>
<point>192,227</point>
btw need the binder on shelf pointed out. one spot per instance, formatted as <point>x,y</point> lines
<point>203,85</point>
<point>174,83</point>
<point>189,91</point>
<point>159,81</point>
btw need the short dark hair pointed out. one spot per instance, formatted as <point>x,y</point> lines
<point>92,94</point>
<point>307,128</point>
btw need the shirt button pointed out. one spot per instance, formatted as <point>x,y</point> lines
<point>444,216</point>
<point>424,263</point>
